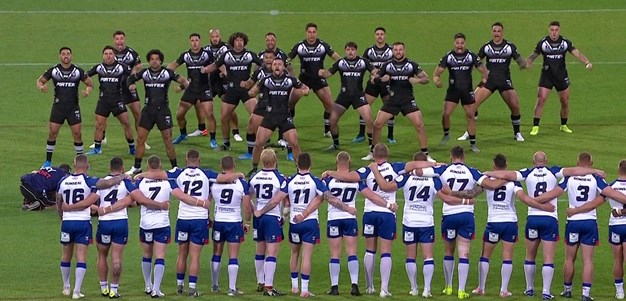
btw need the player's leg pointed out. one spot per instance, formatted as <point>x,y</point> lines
<point>98,134</point>
<point>369,263</point>
<point>211,124</point>
<point>512,101</point>
<point>146,264</point>
<point>362,126</point>
<point>159,249</point>
<point>385,264</point>
<point>183,108</point>
<point>410,265</point>
<point>547,270</point>
<point>117,251</point>
<point>542,96</point>
<point>201,117</point>
<point>334,267</point>
<point>305,268</point>
<point>418,122</point>
<point>294,266</point>
<point>429,265</point>
<point>262,134</point>
<point>53,133</point>
<point>480,95</point>
<point>66,266</point>
<point>507,267</point>
<point>291,135</point>
<point>76,129</point>
<point>181,263</point>
<point>448,108</point>
<point>103,267</point>
<point>270,266</point>
<point>470,109</point>
<point>216,263</point>
<point>587,275</point>
<point>142,136</point>
<point>337,111</point>
<point>568,268</point>
<point>81,268</point>
<point>350,243</point>
<point>463,249</point>
<point>250,105</point>
<point>618,268</point>
<point>166,134</point>
<point>234,125</point>
<point>379,122</point>
<point>226,114</point>
<point>233,267</point>
<point>259,259</point>
<point>325,97</point>
<point>483,265</point>
<point>564,99</point>
<point>365,113</point>
<point>128,132</point>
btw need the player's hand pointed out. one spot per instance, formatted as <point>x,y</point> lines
<point>394,207</point>
<point>243,84</point>
<point>320,72</point>
<point>600,173</point>
<point>305,90</point>
<point>43,88</point>
<point>470,201</point>
<point>257,213</point>
<point>85,93</point>
<point>178,89</point>
<point>132,88</point>
<point>570,211</point>
<point>326,174</point>
<point>549,207</point>
<point>298,218</point>
<point>351,210</point>
<point>373,165</point>
<point>165,205</point>
<point>616,212</point>
<point>588,66</point>
<point>246,228</point>
<point>385,78</point>
<point>438,84</point>
<point>102,211</point>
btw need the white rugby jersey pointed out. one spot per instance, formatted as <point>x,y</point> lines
<point>227,198</point>
<point>582,189</point>
<point>389,171</point>
<point>111,195</point>
<point>619,185</point>
<point>158,191</point>
<point>345,192</point>
<point>539,180</point>
<point>265,184</point>
<point>195,182</point>
<point>302,189</point>
<point>501,203</point>
<point>459,177</point>
<point>419,196</point>
<point>75,188</point>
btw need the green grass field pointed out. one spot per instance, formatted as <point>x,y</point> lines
<point>33,31</point>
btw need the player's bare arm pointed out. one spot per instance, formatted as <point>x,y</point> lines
<point>524,198</point>
<point>582,58</point>
<point>89,83</point>
<point>87,202</point>
<point>437,76</point>
<point>276,199</point>
<point>455,200</point>
<point>390,186</point>
<point>337,203</point>
<point>550,195</point>
<point>189,200</point>
<point>421,78</point>
<point>148,202</point>
<point>588,206</point>
<point>110,182</point>
<point>41,84</point>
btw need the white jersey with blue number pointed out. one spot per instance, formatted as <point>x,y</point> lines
<point>582,189</point>
<point>302,189</point>
<point>111,195</point>
<point>419,196</point>
<point>227,198</point>
<point>345,192</point>
<point>158,191</point>
<point>195,182</point>
<point>75,188</point>
<point>389,171</point>
<point>458,177</point>
<point>539,180</point>
<point>620,186</point>
<point>265,184</point>
<point>501,203</point>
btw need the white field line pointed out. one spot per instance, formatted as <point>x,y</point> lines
<point>278,12</point>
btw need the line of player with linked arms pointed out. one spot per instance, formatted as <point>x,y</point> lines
<point>237,202</point>
<point>270,93</point>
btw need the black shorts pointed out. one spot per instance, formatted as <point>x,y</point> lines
<point>129,97</point>
<point>356,101</point>
<point>283,122</point>
<point>456,95</point>
<point>106,107</point>
<point>260,108</point>
<point>377,89</point>
<point>202,94</point>
<point>405,109</point>
<point>217,84</point>
<point>551,80</point>
<point>159,115</point>
<point>497,83</point>
<point>32,195</point>
<point>61,112</point>
<point>314,83</point>
<point>235,94</point>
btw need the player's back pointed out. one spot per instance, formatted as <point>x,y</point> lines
<point>389,171</point>
<point>228,198</point>
<point>110,196</point>
<point>458,177</point>
<point>158,191</point>
<point>582,189</point>
<point>619,185</point>
<point>266,183</point>
<point>501,203</point>
<point>75,188</point>
<point>302,188</point>
<point>195,182</point>
<point>345,192</point>
<point>539,180</point>
<point>419,196</point>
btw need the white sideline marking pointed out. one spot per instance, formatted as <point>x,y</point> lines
<point>277,12</point>
<point>23,64</point>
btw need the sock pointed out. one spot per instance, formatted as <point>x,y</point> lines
<point>131,142</point>
<point>564,122</point>
<point>174,162</point>
<point>476,113</point>
<point>159,271</point>
<point>104,285</point>
<point>411,271</point>
<point>334,268</point>
<point>146,268</point>
<point>289,150</point>
<point>137,163</point>
<point>586,289</point>
<point>212,135</point>
<point>233,270</point>
<point>516,120</point>
<point>505,272</point>
<point>463,268</point>
<point>390,125</point>
<point>250,140</point>
<point>79,273</point>
<point>269,271</point>
<point>215,269</point>
<point>369,139</point>
<point>305,283</point>
<point>78,147</point>
<point>114,287</point>
<point>294,280</point>
<point>104,135</point>
<point>192,281</point>
<point>226,142</point>
<point>180,278</point>
<point>483,270</point>
<point>448,270</point>
<point>385,271</point>
<point>529,273</point>
<point>567,286</point>
<point>353,268</point>
<point>326,122</point>
<point>361,127</point>
<point>235,132</point>
<point>619,285</point>
<point>50,144</point>
<point>65,273</point>
<point>259,263</point>
<point>335,140</point>
<point>472,139</point>
<point>536,121</point>
<point>446,131</point>
<point>98,144</point>
<point>428,271</point>
<point>183,131</point>
<point>424,150</point>
<point>547,272</point>
<point>202,126</point>
<point>368,262</point>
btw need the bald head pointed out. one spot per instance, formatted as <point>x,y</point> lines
<point>540,158</point>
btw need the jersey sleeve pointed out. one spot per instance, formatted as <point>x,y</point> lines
<point>438,184</point>
<point>517,186</point>
<point>173,175</point>
<point>600,182</point>
<point>417,69</point>
<point>335,67</point>
<point>514,52</point>
<point>255,75</point>
<point>481,52</point>
<point>557,171</point>
<point>256,59</point>
<point>220,60</point>
<point>47,75</point>
<point>538,49</point>
<point>401,180</point>
<point>398,167</point>
<point>129,185</point>
<point>246,186</point>
<point>563,183</point>
<point>92,182</point>
<point>173,184</point>
<point>433,172</point>
<point>443,62</point>
<point>522,174</point>
<point>477,175</point>
<point>320,186</point>
<point>294,51</point>
<point>133,78</point>
<point>181,59</point>
<point>382,71</point>
<point>210,174</point>
<point>368,64</point>
<point>92,71</point>
<point>477,61</point>
<point>363,172</point>
<point>296,82</point>
<point>137,60</point>
<point>174,76</point>
<point>284,185</point>
<point>329,49</point>
<point>570,46</point>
